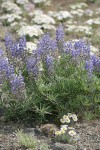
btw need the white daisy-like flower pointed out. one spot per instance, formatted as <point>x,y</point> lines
<point>62,120</point>
<point>69,115</point>
<point>64,127</point>
<point>57,133</point>
<point>62,131</point>
<point>66,119</point>
<point>72,133</point>
<point>74,116</point>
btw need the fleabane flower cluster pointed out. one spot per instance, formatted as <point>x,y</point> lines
<point>67,118</point>
<point>66,129</point>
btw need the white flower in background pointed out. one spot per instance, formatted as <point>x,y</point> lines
<point>30,46</point>
<point>89,22</point>
<point>11,7</point>
<point>71,28</point>
<point>63,15</point>
<point>14,24</point>
<point>36,12</point>
<point>30,31</point>
<point>43,19</point>
<point>48,27</point>
<point>22,23</point>
<point>88,12</point>
<point>60,15</point>
<point>72,133</point>
<point>84,29</point>
<point>39,1</point>
<point>97,12</point>
<point>71,22</point>
<point>74,117</point>
<point>78,12</point>
<point>46,2</point>
<point>95,21</point>
<point>11,17</point>
<point>22,2</point>
<point>52,13</point>
<point>78,6</point>
<point>29,7</point>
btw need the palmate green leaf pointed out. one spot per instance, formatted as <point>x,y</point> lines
<point>42,109</point>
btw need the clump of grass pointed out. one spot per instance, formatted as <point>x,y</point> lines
<point>26,140</point>
<point>29,141</point>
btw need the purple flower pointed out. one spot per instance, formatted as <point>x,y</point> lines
<point>32,66</point>
<point>89,67</point>
<point>96,62</point>
<point>6,70</point>
<point>15,49</point>
<point>60,38</point>
<point>1,53</point>
<point>45,46</point>
<point>8,42</point>
<point>17,85</point>
<point>49,64</point>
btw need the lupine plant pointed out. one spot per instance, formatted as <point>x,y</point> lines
<point>56,77</point>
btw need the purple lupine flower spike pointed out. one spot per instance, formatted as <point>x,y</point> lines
<point>60,38</point>
<point>49,64</point>
<point>96,62</point>
<point>17,85</point>
<point>89,67</point>
<point>32,66</point>
<point>15,49</point>
<point>46,45</point>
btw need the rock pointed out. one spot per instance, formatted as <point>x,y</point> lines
<point>61,146</point>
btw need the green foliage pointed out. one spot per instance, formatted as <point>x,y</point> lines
<point>26,140</point>
<point>69,90</point>
<point>30,141</point>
